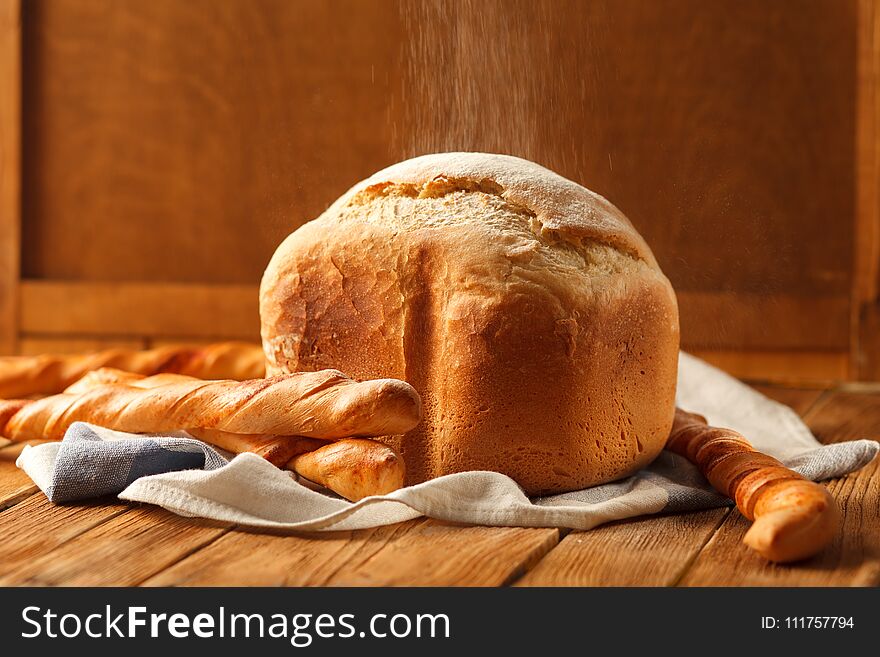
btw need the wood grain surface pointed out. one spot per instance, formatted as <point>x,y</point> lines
<point>15,485</point>
<point>181,141</point>
<point>415,553</point>
<point>34,345</point>
<point>140,309</point>
<point>867,252</point>
<point>124,550</point>
<point>36,527</point>
<point>713,320</point>
<point>791,367</point>
<point>644,552</point>
<point>800,399</point>
<point>865,341</point>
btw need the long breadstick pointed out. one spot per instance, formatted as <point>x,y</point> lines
<point>324,404</point>
<point>21,376</point>
<point>793,518</point>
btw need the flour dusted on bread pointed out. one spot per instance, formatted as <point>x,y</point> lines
<point>557,205</point>
<point>526,310</point>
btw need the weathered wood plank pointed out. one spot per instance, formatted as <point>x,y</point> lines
<point>10,171</point>
<point>865,336</point>
<point>645,552</point>
<point>35,345</point>
<point>36,527</point>
<point>123,551</point>
<point>715,320</point>
<point>15,485</point>
<point>416,553</point>
<point>654,551</point>
<point>799,399</point>
<point>139,309</point>
<point>854,557</point>
<point>794,367</point>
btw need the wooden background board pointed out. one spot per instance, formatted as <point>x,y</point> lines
<point>10,170</point>
<point>182,140</point>
<point>865,343</point>
<point>178,143</point>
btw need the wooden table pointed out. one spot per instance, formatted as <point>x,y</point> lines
<point>127,545</point>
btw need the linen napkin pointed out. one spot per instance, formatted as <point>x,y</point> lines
<point>190,478</point>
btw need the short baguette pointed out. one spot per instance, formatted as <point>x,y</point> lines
<point>22,376</point>
<point>355,468</point>
<point>324,404</point>
<point>793,518</point>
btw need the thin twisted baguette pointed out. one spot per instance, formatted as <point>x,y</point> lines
<point>21,376</point>
<point>324,404</point>
<point>793,518</point>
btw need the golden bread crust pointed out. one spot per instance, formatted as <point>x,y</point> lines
<point>526,311</point>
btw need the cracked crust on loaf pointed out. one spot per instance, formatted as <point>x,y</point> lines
<point>526,310</point>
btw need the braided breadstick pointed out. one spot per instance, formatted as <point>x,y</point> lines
<point>21,376</point>
<point>793,518</point>
<point>324,404</point>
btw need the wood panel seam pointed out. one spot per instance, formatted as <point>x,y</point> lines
<point>818,403</point>
<point>689,562</point>
<point>534,557</point>
<point>399,528</point>
<point>185,555</point>
<point>82,531</point>
<point>10,502</point>
<point>10,171</point>
<point>563,532</point>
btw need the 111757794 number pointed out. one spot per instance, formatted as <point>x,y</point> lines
<point>807,622</point>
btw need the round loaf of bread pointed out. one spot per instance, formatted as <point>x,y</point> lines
<point>526,310</point>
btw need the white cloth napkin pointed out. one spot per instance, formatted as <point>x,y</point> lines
<point>250,491</point>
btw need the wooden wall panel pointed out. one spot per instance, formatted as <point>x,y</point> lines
<point>181,141</point>
<point>156,310</point>
<point>34,346</point>
<point>10,170</point>
<point>865,343</point>
<point>178,142</point>
<point>724,130</point>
